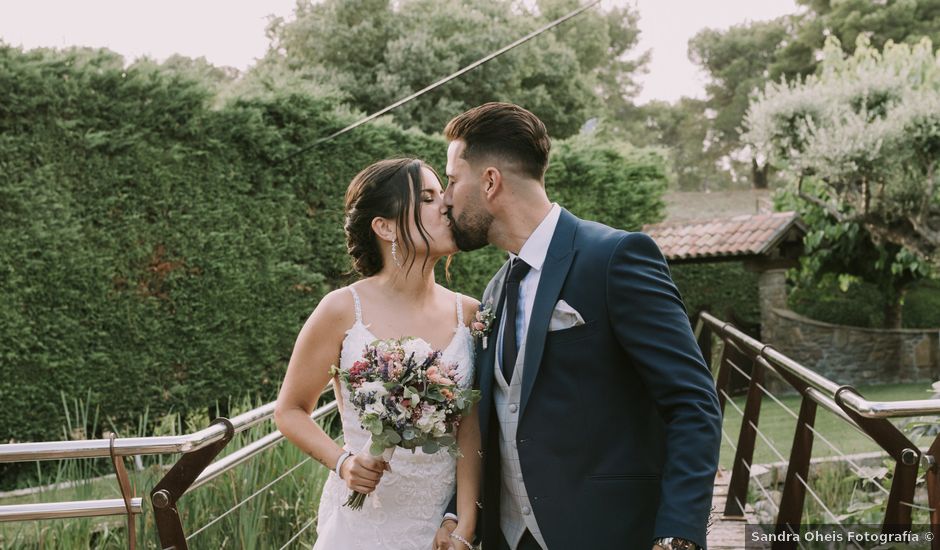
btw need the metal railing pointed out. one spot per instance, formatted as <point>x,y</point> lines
<point>194,469</point>
<point>739,352</point>
<point>871,418</point>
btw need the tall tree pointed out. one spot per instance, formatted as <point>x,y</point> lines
<point>745,57</point>
<point>737,61</point>
<point>683,129</point>
<point>901,21</point>
<point>604,43</point>
<point>378,51</point>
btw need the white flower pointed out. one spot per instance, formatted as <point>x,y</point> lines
<point>403,413</point>
<point>432,422</point>
<point>375,386</point>
<point>376,407</point>
<point>418,347</point>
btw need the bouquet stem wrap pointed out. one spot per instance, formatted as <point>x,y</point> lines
<point>356,499</point>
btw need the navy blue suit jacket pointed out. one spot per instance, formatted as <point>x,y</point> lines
<point>619,426</point>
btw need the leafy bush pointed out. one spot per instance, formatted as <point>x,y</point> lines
<point>861,304</point>
<point>922,305</point>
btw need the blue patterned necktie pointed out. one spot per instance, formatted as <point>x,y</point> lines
<point>517,271</point>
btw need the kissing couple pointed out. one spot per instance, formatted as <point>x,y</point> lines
<point>598,424</point>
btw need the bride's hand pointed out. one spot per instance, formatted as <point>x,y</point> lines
<point>362,473</point>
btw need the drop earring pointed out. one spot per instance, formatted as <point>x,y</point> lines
<point>395,253</point>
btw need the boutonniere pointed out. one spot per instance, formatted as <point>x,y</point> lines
<point>483,322</point>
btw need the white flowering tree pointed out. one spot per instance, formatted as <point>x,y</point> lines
<point>860,141</point>
<point>868,127</point>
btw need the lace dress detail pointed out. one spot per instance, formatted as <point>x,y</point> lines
<point>405,510</point>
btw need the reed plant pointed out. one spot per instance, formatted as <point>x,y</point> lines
<point>261,503</point>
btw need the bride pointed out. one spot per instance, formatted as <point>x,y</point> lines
<point>395,233</point>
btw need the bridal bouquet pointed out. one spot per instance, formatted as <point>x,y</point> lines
<point>405,397</point>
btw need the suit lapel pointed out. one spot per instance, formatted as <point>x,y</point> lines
<point>494,291</point>
<point>561,253</point>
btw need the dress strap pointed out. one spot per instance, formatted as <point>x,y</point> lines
<point>459,311</point>
<point>358,305</point>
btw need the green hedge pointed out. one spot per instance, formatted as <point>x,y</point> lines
<point>922,305</point>
<point>163,251</point>
<point>862,304</point>
<point>725,290</point>
<point>155,250</point>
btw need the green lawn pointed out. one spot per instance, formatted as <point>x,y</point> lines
<point>778,425</point>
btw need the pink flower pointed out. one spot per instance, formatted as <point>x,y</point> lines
<point>477,325</point>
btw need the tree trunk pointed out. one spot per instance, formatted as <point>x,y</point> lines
<point>758,175</point>
<point>893,310</point>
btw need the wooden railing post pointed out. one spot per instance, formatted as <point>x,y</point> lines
<point>174,485</point>
<point>790,514</point>
<point>744,455</point>
<point>703,336</point>
<point>933,490</point>
<point>723,380</point>
<point>906,456</point>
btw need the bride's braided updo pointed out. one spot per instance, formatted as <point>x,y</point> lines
<point>385,189</point>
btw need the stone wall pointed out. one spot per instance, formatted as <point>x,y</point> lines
<point>852,355</point>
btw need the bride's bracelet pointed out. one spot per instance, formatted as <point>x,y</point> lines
<point>458,538</point>
<point>339,462</point>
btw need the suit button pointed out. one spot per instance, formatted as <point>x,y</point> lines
<point>513,408</point>
<point>526,511</point>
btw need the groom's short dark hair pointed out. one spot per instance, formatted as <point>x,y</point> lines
<point>503,130</point>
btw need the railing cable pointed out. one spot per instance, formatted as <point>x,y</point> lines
<point>298,533</point>
<point>856,468</point>
<point>240,504</point>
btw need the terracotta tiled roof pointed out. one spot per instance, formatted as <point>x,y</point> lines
<point>752,235</point>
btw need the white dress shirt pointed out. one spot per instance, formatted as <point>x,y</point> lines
<point>533,252</point>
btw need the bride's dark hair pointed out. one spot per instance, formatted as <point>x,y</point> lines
<point>386,189</point>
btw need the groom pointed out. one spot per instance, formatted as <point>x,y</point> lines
<point>599,419</point>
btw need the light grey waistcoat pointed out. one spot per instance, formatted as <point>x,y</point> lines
<point>516,512</point>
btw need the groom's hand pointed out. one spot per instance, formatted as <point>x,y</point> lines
<point>442,540</point>
<point>363,473</point>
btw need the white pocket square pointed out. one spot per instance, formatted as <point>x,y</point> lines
<point>564,316</point>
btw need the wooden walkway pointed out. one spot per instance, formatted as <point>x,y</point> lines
<point>726,534</point>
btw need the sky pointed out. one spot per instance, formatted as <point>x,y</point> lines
<point>231,32</point>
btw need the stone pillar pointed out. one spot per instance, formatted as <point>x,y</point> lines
<point>772,293</point>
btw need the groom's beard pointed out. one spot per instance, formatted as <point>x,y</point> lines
<point>470,229</point>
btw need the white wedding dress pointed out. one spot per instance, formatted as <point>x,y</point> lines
<point>406,509</point>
